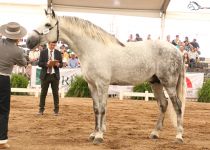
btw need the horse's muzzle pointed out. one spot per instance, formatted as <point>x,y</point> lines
<point>33,40</point>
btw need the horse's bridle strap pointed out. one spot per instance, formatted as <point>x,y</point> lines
<point>57,24</point>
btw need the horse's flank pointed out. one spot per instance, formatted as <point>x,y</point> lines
<point>91,30</point>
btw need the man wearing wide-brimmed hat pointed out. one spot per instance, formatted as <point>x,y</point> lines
<point>10,55</point>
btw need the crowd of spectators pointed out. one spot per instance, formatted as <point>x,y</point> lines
<point>189,49</point>
<point>132,39</point>
<point>138,38</point>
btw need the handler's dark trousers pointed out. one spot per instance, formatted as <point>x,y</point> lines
<point>4,106</point>
<point>49,79</point>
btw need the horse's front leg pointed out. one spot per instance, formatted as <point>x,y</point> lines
<point>99,106</point>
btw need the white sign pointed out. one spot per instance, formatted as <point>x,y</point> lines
<point>66,76</point>
<point>194,81</point>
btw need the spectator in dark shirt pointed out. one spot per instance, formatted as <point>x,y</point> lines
<point>176,41</point>
<point>195,44</point>
<point>138,38</point>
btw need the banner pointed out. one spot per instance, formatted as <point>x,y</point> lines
<point>66,76</point>
<point>194,81</point>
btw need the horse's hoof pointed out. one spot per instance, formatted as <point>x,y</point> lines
<point>97,141</point>
<point>153,136</point>
<point>92,137</point>
<point>179,140</point>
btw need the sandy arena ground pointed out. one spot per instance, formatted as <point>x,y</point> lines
<point>129,123</point>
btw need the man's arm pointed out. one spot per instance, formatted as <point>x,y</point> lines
<point>42,63</point>
<point>21,58</point>
<point>60,60</point>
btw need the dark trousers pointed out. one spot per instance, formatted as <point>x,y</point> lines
<point>5,91</point>
<point>192,63</point>
<point>49,79</point>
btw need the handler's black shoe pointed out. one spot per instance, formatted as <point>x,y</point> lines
<point>40,113</point>
<point>55,113</point>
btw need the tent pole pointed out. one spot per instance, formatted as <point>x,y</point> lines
<point>162,25</point>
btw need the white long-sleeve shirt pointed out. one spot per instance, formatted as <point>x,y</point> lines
<point>193,55</point>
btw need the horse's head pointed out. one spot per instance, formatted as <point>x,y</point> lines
<point>47,32</point>
<point>194,6</point>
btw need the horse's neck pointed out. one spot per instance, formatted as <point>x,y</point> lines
<point>71,34</point>
<point>86,39</point>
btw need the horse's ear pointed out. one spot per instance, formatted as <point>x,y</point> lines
<point>46,13</point>
<point>53,13</point>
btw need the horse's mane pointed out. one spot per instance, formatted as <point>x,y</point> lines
<point>91,30</point>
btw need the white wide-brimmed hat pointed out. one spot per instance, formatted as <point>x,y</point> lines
<point>13,30</point>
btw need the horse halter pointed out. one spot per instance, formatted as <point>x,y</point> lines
<point>47,30</point>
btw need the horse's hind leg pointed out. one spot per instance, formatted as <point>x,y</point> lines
<point>99,95</point>
<point>162,103</point>
<point>177,104</point>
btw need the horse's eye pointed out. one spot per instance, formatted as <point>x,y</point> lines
<point>47,25</point>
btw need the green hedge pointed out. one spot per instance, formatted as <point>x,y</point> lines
<point>19,81</point>
<point>78,88</point>
<point>142,88</point>
<point>204,92</point>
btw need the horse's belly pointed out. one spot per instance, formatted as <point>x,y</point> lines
<point>130,77</point>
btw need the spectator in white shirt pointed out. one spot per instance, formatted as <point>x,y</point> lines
<point>34,57</point>
<point>193,56</point>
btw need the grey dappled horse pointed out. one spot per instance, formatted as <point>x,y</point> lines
<point>105,60</point>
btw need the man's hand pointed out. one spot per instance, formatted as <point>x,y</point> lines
<point>57,64</point>
<point>48,63</point>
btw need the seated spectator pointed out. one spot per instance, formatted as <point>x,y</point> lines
<point>149,37</point>
<point>168,38</point>
<point>138,38</point>
<point>61,43</point>
<point>65,55</point>
<point>186,59</point>
<point>193,56</point>
<point>130,38</point>
<point>195,44</point>
<point>181,48</point>
<point>40,48</point>
<point>73,61</point>
<point>34,56</point>
<point>186,39</point>
<point>176,41</point>
<point>187,46</point>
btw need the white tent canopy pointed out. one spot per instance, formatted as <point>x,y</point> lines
<point>145,8</point>
<point>176,9</point>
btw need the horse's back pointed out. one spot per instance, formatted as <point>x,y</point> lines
<point>152,47</point>
<point>139,61</point>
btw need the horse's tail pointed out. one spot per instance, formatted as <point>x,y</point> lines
<point>181,91</point>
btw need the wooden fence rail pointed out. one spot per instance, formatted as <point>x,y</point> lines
<point>36,91</point>
<point>121,95</point>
